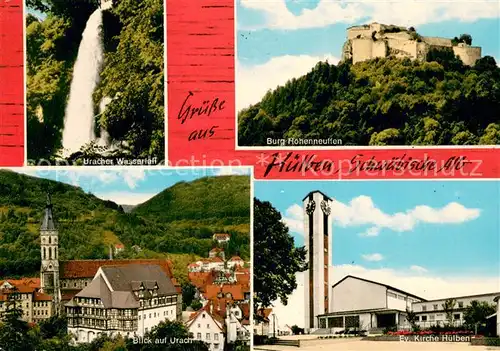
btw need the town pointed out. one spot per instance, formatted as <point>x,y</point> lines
<point>130,297</point>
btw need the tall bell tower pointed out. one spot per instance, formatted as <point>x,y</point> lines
<point>49,247</point>
<point>318,242</point>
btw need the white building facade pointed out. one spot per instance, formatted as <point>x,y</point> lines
<point>127,300</point>
<point>318,243</point>
<point>433,312</point>
<point>366,305</point>
<point>205,327</point>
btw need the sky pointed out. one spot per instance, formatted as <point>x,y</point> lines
<point>281,39</point>
<point>433,239</point>
<point>131,186</point>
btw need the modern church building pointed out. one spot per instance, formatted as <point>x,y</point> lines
<point>355,302</point>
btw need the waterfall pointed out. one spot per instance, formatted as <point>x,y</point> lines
<point>79,117</point>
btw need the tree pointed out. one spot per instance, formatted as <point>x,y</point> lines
<point>465,38</point>
<point>55,326</point>
<point>276,259</point>
<point>475,314</point>
<point>411,316</point>
<point>448,307</point>
<point>14,332</point>
<point>188,293</point>
<point>196,305</point>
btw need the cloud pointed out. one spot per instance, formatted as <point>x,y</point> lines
<point>294,218</point>
<point>223,171</point>
<point>92,176</point>
<point>427,286</point>
<point>406,13</point>
<point>418,269</point>
<point>376,257</point>
<point>252,82</point>
<point>373,231</point>
<point>362,211</point>
<point>125,198</point>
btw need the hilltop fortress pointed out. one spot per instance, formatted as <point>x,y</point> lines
<point>373,40</point>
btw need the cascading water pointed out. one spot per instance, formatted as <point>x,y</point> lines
<point>79,118</point>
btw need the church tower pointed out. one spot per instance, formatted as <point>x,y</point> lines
<point>49,247</point>
<point>318,243</point>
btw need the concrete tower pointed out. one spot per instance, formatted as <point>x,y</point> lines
<point>49,247</point>
<point>318,242</point>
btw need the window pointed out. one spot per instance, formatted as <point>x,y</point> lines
<point>216,346</point>
<point>139,317</point>
<point>150,316</point>
<point>198,335</point>
<point>435,307</point>
<point>144,316</point>
<point>424,318</point>
<point>456,316</point>
<point>461,304</point>
<point>199,325</point>
<point>208,326</point>
<point>431,317</point>
<point>208,336</point>
<point>424,308</point>
<point>216,337</point>
<point>417,318</point>
<point>203,315</point>
<point>146,329</point>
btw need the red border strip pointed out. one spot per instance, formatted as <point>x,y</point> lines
<point>200,37</point>
<point>11,83</point>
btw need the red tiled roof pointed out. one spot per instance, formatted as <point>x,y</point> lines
<point>20,288</point>
<point>88,268</point>
<point>235,258</point>
<point>31,282</point>
<point>42,297</point>
<point>217,259</point>
<point>245,309</point>
<point>235,290</point>
<point>217,249</point>
<point>119,246</point>
<point>265,312</point>
<point>206,309</point>
<point>201,279</point>
<point>67,295</point>
<point>221,236</point>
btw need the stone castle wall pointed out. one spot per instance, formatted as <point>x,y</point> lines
<point>367,42</point>
<point>468,54</point>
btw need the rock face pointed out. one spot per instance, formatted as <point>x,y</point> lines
<point>373,40</point>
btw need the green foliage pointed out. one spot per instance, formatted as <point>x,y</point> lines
<point>475,314</point>
<point>133,75</point>
<point>188,293</point>
<point>464,38</point>
<point>53,327</point>
<point>448,308</point>
<point>88,225</point>
<point>411,317</point>
<point>14,331</point>
<point>196,305</point>
<point>276,259</point>
<point>387,101</point>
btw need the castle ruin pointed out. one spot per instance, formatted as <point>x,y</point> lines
<point>373,40</point>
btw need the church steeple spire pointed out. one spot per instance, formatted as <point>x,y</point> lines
<point>48,218</point>
<point>49,250</point>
